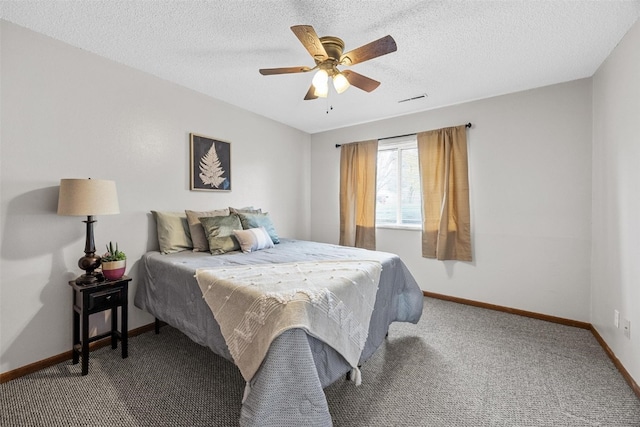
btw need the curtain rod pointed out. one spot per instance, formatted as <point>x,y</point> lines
<point>400,136</point>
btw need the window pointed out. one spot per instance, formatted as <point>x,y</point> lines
<point>398,199</point>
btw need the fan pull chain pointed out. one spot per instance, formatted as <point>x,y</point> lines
<point>329,107</point>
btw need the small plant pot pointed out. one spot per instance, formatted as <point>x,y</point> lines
<point>114,270</point>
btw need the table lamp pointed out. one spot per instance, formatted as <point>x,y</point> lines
<point>88,197</point>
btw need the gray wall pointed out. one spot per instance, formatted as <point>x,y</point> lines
<point>616,200</point>
<point>67,113</point>
<point>530,185</point>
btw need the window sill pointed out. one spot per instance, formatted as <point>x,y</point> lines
<point>400,227</point>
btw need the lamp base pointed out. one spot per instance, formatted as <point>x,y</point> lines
<point>89,263</point>
<point>90,279</point>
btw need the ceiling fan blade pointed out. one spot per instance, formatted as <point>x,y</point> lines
<point>360,81</point>
<point>310,93</point>
<point>284,70</point>
<point>369,51</point>
<point>310,40</point>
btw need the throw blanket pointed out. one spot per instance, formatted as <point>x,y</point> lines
<point>330,300</point>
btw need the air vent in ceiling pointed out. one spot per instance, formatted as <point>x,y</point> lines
<point>413,98</point>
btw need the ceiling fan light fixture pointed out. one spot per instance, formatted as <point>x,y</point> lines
<point>320,79</point>
<point>340,82</point>
<point>328,53</point>
<point>321,84</point>
<point>321,91</point>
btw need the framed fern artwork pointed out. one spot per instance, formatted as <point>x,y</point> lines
<point>210,164</point>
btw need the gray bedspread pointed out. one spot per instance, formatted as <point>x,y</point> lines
<point>287,389</point>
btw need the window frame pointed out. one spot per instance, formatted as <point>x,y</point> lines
<point>399,143</point>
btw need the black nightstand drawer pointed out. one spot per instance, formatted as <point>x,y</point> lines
<point>106,299</point>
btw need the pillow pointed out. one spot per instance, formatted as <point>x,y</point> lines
<point>248,209</point>
<point>198,237</point>
<point>255,220</point>
<point>173,231</point>
<point>219,231</point>
<point>253,239</point>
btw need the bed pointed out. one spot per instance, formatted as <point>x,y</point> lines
<point>287,389</point>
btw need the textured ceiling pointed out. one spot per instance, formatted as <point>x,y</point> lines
<point>453,51</point>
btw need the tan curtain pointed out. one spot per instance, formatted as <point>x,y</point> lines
<point>446,223</point>
<point>358,164</point>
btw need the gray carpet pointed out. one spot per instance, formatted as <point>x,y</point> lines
<point>460,366</point>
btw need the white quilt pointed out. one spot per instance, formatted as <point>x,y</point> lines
<point>331,300</point>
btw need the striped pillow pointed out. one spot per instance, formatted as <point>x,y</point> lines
<point>253,239</point>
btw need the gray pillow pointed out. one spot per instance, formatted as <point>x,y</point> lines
<point>173,231</point>
<point>198,237</point>
<point>255,220</point>
<point>248,209</point>
<point>219,231</point>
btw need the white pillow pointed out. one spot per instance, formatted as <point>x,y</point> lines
<point>253,239</point>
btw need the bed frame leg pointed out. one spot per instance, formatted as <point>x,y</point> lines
<point>157,326</point>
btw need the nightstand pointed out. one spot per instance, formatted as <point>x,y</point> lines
<point>94,298</point>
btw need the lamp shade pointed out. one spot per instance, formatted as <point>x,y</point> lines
<point>87,197</point>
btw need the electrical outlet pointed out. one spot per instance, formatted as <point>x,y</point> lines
<point>626,327</point>
<point>616,318</point>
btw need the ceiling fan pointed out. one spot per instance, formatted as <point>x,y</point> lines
<point>327,53</point>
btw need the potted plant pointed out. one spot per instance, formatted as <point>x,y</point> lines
<point>114,263</point>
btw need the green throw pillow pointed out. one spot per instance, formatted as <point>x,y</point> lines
<point>198,236</point>
<point>219,232</point>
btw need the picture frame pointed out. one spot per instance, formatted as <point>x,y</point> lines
<point>210,164</point>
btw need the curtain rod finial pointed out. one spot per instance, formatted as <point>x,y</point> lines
<point>468,125</point>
